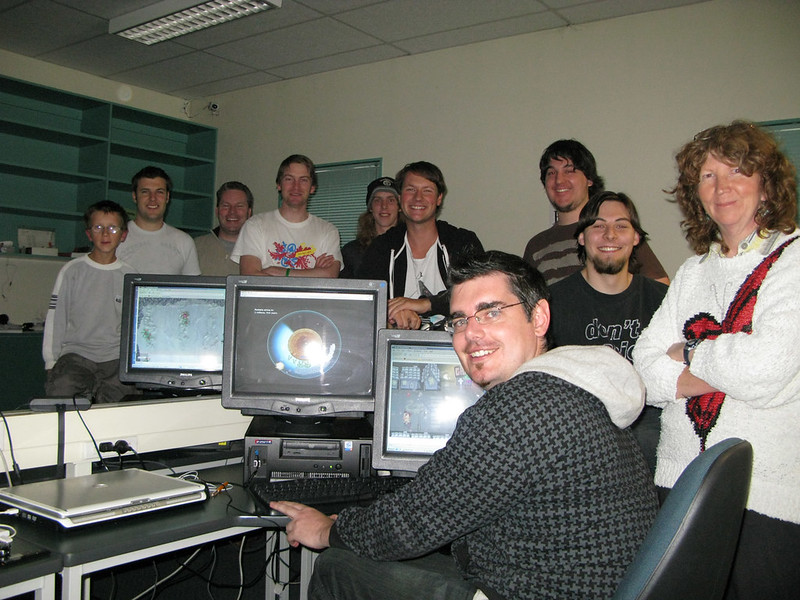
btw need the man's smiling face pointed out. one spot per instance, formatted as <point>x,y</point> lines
<point>610,240</point>
<point>491,352</point>
<point>566,187</point>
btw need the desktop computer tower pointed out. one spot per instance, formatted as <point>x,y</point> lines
<point>339,448</point>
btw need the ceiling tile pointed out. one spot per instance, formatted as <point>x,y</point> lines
<point>107,9</point>
<point>338,61</point>
<point>230,84</point>
<point>40,26</point>
<point>6,4</point>
<point>109,54</point>
<point>182,72</point>
<point>404,19</point>
<point>479,33</point>
<point>306,41</point>
<point>610,9</point>
<point>332,7</point>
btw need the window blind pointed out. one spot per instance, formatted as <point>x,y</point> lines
<point>341,193</point>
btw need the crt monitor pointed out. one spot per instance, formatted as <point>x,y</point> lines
<point>171,334</point>
<point>422,390</point>
<point>301,348</point>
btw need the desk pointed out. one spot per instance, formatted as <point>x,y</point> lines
<point>36,575</point>
<point>87,550</point>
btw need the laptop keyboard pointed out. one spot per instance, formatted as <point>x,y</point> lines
<point>337,490</point>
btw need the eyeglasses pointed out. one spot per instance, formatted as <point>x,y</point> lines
<point>485,316</point>
<point>112,229</point>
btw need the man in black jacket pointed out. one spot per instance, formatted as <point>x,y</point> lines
<point>414,256</point>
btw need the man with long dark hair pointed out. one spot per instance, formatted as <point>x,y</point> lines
<point>568,172</point>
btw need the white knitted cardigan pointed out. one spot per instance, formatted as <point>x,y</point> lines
<point>759,372</point>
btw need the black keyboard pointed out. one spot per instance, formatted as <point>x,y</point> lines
<point>334,490</point>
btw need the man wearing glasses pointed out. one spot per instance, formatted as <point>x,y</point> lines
<point>81,330</point>
<point>540,492</point>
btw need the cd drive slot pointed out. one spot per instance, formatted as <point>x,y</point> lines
<point>329,449</point>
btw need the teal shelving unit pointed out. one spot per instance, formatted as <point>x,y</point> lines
<point>61,152</point>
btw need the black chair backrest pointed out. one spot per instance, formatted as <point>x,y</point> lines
<point>687,555</point>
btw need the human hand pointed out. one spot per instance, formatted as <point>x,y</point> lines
<point>405,319</point>
<point>274,271</point>
<point>324,261</point>
<point>418,305</point>
<point>675,351</point>
<point>307,526</point>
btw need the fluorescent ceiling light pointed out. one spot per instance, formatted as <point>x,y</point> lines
<point>171,18</point>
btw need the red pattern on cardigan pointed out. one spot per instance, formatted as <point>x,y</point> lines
<point>703,411</point>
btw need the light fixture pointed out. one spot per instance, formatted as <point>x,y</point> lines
<point>171,18</point>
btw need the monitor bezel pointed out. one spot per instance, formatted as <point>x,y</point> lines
<point>283,405</point>
<point>163,379</point>
<point>406,464</point>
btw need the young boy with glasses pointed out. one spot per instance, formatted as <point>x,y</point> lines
<point>82,328</point>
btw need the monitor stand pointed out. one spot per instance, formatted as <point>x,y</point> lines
<point>169,393</point>
<point>310,427</point>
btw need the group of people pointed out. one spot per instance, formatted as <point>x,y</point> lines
<point>548,485</point>
<point>715,354</point>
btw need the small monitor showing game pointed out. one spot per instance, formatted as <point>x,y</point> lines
<point>301,348</point>
<point>172,328</point>
<point>422,390</point>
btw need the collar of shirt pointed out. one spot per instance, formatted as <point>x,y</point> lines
<point>752,243</point>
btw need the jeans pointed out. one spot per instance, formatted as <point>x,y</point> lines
<point>343,575</point>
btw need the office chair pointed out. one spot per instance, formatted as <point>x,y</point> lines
<point>689,551</point>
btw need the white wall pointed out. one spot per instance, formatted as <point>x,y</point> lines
<point>632,89</point>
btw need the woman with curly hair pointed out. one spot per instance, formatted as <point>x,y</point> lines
<point>721,355</point>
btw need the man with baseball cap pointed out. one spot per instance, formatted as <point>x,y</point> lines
<point>382,213</point>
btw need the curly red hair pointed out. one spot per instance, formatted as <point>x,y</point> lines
<point>753,150</point>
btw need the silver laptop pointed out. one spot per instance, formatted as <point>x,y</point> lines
<point>99,497</point>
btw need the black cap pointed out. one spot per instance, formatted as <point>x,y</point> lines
<point>381,184</point>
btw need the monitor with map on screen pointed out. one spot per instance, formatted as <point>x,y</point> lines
<point>422,391</point>
<point>172,332</point>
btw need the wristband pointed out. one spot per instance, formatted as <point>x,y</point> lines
<point>288,271</point>
<point>688,347</point>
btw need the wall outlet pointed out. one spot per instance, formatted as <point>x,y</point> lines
<point>89,451</point>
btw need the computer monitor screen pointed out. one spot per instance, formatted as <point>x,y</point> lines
<point>301,348</point>
<point>171,334</point>
<point>422,390</point>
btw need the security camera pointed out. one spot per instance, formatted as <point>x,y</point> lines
<point>213,106</point>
